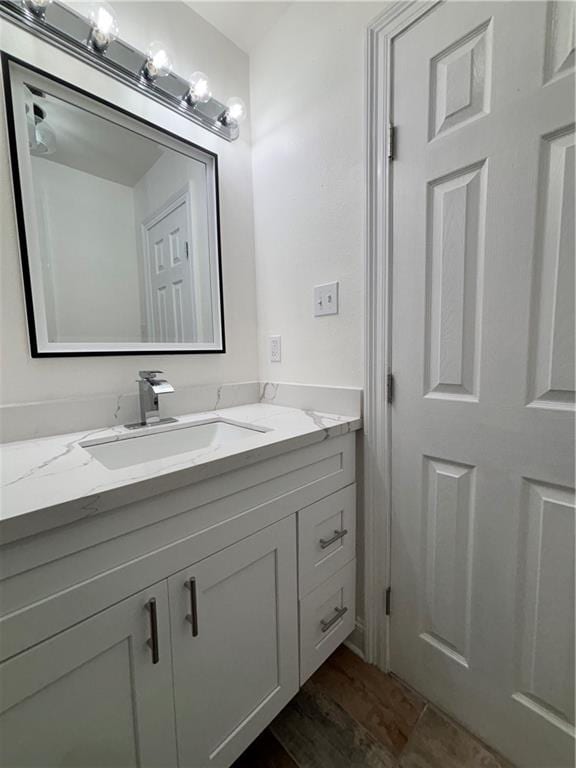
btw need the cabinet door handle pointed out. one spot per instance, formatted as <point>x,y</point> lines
<point>152,641</point>
<point>325,624</point>
<point>337,535</point>
<point>192,617</point>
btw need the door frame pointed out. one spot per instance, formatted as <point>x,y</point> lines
<point>378,321</point>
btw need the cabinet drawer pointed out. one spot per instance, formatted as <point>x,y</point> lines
<point>327,617</point>
<point>326,538</point>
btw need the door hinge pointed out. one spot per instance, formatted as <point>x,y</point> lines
<point>390,388</point>
<point>388,599</point>
<point>391,141</point>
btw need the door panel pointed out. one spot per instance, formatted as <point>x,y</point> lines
<point>560,39</point>
<point>447,522</point>
<point>552,365</point>
<point>168,247</point>
<point>456,206</point>
<point>239,656</point>
<point>460,81</point>
<point>92,696</point>
<point>546,593</point>
<point>483,358</point>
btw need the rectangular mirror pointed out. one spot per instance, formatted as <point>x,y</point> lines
<point>118,226</point>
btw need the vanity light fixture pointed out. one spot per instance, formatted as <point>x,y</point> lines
<point>199,91</point>
<point>38,7</point>
<point>235,112</point>
<point>104,27</point>
<point>87,32</point>
<point>158,63</point>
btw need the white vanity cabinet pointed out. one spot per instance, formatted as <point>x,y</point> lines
<point>170,631</point>
<point>235,644</point>
<point>91,695</point>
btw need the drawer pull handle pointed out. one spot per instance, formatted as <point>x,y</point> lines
<point>337,535</point>
<point>192,617</point>
<point>152,641</point>
<point>325,624</point>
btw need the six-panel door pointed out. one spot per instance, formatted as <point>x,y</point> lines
<point>92,695</point>
<point>235,644</point>
<point>482,456</point>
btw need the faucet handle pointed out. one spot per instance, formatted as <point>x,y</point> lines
<point>148,375</point>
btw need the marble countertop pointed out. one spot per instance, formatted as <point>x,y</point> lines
<point>54,481</point>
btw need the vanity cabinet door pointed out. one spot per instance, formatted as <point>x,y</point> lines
<point>92,695</point>
<point>235,644</point>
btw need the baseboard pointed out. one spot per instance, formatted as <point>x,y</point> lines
<point>355,641</point>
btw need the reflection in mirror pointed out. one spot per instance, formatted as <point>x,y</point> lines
<point>122,246</point>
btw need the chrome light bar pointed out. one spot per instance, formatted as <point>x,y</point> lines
<point>68,30</point>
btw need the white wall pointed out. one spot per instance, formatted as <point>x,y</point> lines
<point>195,45</point>
<point>93,268</point>
<point>307,107</point>
<point>308,121</point>
<point>307,84</point>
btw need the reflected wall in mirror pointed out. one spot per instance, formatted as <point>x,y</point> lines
<point>118,224</point>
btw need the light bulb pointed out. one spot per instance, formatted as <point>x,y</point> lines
<point>41,138</point>
<point>235,112</point>
<point>38,7</point>
<point>199,91</point>
<point>104,26</point>
<point>45,140</point>
<point>158,63</point>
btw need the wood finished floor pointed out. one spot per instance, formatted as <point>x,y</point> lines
<point>351,715</point>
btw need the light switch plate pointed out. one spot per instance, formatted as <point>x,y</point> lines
<point>275,349</point>
<point>326,299</point>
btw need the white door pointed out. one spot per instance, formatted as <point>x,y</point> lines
<point>169,264</point>
<point>483,356</point>
<point>92,695</point>
<point>235,644</point>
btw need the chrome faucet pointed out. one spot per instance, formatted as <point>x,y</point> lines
<point>150,387</point>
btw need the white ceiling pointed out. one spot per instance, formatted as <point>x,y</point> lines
<point>96,146</point>
<point>245,23</point>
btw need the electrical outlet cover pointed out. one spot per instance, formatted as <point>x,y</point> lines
<point>275,349</point>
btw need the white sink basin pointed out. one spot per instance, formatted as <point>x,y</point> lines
<point>162,442</point>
